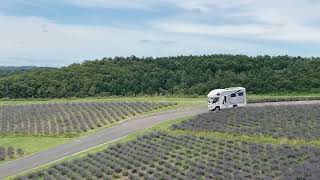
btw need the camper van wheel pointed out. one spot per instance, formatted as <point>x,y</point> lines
<point>235,105</point>
<point>217,108</point>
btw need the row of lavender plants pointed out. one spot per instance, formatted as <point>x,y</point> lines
<point>10,152</point>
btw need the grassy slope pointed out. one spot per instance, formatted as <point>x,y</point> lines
<point>31,144</point>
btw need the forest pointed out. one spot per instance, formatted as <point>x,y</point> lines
<point>180,75</point>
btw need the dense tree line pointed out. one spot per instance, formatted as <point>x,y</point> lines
<point>187,75</point>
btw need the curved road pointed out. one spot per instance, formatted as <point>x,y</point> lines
<point>107,135</point>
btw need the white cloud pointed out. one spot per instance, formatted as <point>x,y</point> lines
<point>288,21</point>
<point>207,5</point>
<point>148,4</point>
<point>282,33</point>
<point>284,21</point>
<point>31,37</point>
<point>38,41</point>
<point>218,30</point>
<point>128,4</point>
<point>198,27</point>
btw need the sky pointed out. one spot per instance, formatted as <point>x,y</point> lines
<point>62,32</point>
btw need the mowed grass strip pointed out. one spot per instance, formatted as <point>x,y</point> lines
<point>256,98</point>
<point>31,145</point>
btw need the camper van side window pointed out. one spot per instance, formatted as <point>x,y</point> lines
<point>233,95</point>
<point>240,94</point>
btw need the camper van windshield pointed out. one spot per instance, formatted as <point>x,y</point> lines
<point>213,100</point>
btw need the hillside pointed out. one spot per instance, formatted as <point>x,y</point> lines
<point>7,70</point>
<point>15,68</point>
<point>12,70</point>
<point>187,75</point>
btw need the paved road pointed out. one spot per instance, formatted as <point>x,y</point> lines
<point>106,135</point>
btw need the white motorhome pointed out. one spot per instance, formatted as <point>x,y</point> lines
<point>227,98</point>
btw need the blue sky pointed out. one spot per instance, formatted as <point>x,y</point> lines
<point>61,32</point>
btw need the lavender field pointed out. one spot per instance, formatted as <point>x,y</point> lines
<point>64,118</point>
<point>288,121</point>
<point>164,156</point>
<point>191,150</point>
